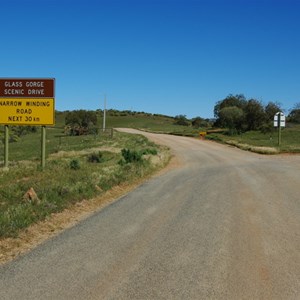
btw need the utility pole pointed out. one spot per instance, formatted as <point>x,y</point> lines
<point>279,129</point>
<point>104,113</point>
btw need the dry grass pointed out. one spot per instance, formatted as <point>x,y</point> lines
<point>68,154</point>
<point>256,149</point>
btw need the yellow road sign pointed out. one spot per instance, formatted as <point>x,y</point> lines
<point>27,111</point>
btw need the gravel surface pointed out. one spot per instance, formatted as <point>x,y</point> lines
<point>224,225</point>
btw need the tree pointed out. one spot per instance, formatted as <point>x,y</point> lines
<point>181,120</point>
<point>294,115</point>
<point>80,121</point>
<point>271,109</point>
<point>231,117</point>
<point>199,122</point>
<point>238,100</point>
<point>254,114</point>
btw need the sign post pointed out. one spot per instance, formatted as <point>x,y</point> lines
<point>279,121</point>
<point>27,101</point>
<point>6,140</point>
<point>43,147</point>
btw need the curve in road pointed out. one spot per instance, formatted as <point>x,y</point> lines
<point>225,225</point>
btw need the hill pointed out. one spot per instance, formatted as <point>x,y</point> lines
<point>139,120</point>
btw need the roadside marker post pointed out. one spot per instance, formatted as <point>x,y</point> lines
<point>202,135</point>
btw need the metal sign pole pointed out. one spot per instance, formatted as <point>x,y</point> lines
<point>279,129</point>
<point>279,121</point>
<point>43,154</point>
<point>6,138</point>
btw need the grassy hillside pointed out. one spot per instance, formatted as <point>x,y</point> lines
<point>141,120</point>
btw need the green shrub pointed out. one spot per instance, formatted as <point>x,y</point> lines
<point>131,155</point>
<point>151,151</point>
<point>213,137</point>
<point>74,164</point>
<point>95,157</point>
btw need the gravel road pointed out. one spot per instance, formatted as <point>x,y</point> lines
<point>223,225</point>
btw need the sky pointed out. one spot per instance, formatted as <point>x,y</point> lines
<point>171,57</point>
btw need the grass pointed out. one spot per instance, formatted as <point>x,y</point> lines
<point>148,122</point>
<point>72,173</point>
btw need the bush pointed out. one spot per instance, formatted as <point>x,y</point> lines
<point>267,128</point>
<point>149,151</point>
<point>213,137</point>
<point>80,122</point>
<point>95,157</point>
<point>74,164</point>
<point>131,156</point>
<point>181,120</point>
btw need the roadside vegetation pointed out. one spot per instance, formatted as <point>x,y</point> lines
<point>249,125</point>
<point>85,161</point>
<point>80,167</point>
<point>259,142</point>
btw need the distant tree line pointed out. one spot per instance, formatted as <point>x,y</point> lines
<point>239,114</point>
<point>234,112</point>
<point>81,122</point>
<point>196,122</point>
